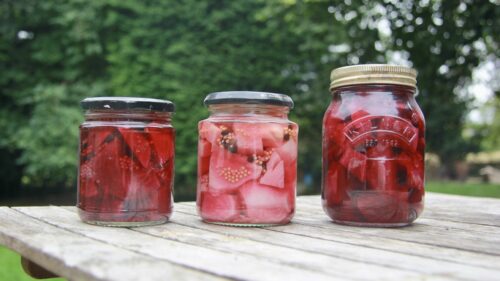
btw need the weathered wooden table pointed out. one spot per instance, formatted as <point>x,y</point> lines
<point>456,238</point>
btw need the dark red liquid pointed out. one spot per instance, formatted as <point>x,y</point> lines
<point>373,156</point>
<point>126,173</point>
<point>247,172</point>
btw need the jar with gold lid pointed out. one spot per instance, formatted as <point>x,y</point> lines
<point>373,147</point>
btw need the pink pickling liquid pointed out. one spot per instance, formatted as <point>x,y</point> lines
<point>247,172</point>
<point>373,156</point>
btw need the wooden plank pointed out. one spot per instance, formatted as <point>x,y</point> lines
<point>339,239</point>
<point>222,263</point>
<point>341,250</point>
<point>306,260</point>
<point>187,229</point>
<point>461,209</point>
<point>435,235</point>
<point>79,258</point>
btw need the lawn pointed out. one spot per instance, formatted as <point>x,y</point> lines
<point>11,270</point>
<point>10,266</point>
<point>467,189</point>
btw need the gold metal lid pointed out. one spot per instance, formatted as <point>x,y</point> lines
<point>373,74</point>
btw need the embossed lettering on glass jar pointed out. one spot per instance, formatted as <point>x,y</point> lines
<point>126,161</point>
<point>373,147</point>
<point>247,160</point>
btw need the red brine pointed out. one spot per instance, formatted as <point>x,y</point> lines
<point>126,167</point>
<point>126,173</point>
<point>373,156</point>
<point>247,172</point>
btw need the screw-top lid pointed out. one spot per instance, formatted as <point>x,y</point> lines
<point>373,74</point>
<point>248,97</point>
<point>127,103</point>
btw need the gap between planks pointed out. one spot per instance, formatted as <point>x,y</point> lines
<point>55,248</point>
<point>338,234</point>
<point>436,235</point>
<point>228,264</point>
<point>229,241</point>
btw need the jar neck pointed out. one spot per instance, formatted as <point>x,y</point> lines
<point>373,88</point>
<point>128,115</point>
<point>227,110</point>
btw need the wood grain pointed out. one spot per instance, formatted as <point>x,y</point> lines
<point>456,238</point>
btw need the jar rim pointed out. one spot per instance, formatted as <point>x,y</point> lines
<point>373,74</point>
<point>248,97</point>
<point>127,103</point>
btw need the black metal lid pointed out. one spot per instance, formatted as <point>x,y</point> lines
<point>248,97</point>
<point>127,103</point>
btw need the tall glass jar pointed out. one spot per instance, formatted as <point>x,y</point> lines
<point>125,176</point>
<point>247,160</point>
<point>373,147</point>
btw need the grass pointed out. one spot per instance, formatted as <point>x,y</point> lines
<point>467,189</point>
<point>10,267</point>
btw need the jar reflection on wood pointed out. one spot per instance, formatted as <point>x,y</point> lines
<point>247,160</point>
<point>126,161</point>
<point>373,147</point>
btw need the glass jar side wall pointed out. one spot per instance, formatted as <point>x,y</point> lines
<point>126,168</point>
<point>247,167</point>
<point>373,156</point>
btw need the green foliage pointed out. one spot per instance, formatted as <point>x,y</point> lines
<point>491,139</point>
<point>55,53</point>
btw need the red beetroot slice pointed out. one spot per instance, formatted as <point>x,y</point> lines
<point>142,191</point>
<point>94,140</point>
<point>383,174</point>
<point>274,176</point>
<point>163,142</point>
<point>288,151</point>
<point>345,211</point>
<point>266,204</point>
<point>204,148</point>
<point>358,114</point>
<point>335,183</point>
<point>248,138</point>
<point>210,132</point>
<point>229,170</point>
<point>382,206</point>
<point>272,134</point>
<point>354,162</point>
<point>218,208</point>
<point>414,169</point>
<point>138,144</point>
<point>112,171</point>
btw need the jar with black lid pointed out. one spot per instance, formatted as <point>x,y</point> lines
<point>247,159</point>
<point>126,161</point>
<point>373,147</point>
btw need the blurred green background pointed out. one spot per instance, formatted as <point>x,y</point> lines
<point>55,53</point>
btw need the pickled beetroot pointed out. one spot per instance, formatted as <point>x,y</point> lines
<point>125,173</point>
<point>247,172</point>
<point>373,156</point>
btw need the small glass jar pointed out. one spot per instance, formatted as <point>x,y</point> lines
<point>373,147</point>
<point>247,160</point>
<point>125,176</point>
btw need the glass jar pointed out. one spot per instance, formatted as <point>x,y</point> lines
<point>247,160</point>
<point>373,147</point>
<point>125,176</point>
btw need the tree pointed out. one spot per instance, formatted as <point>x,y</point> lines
<point>443,40</point>
<point>55,53</point>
